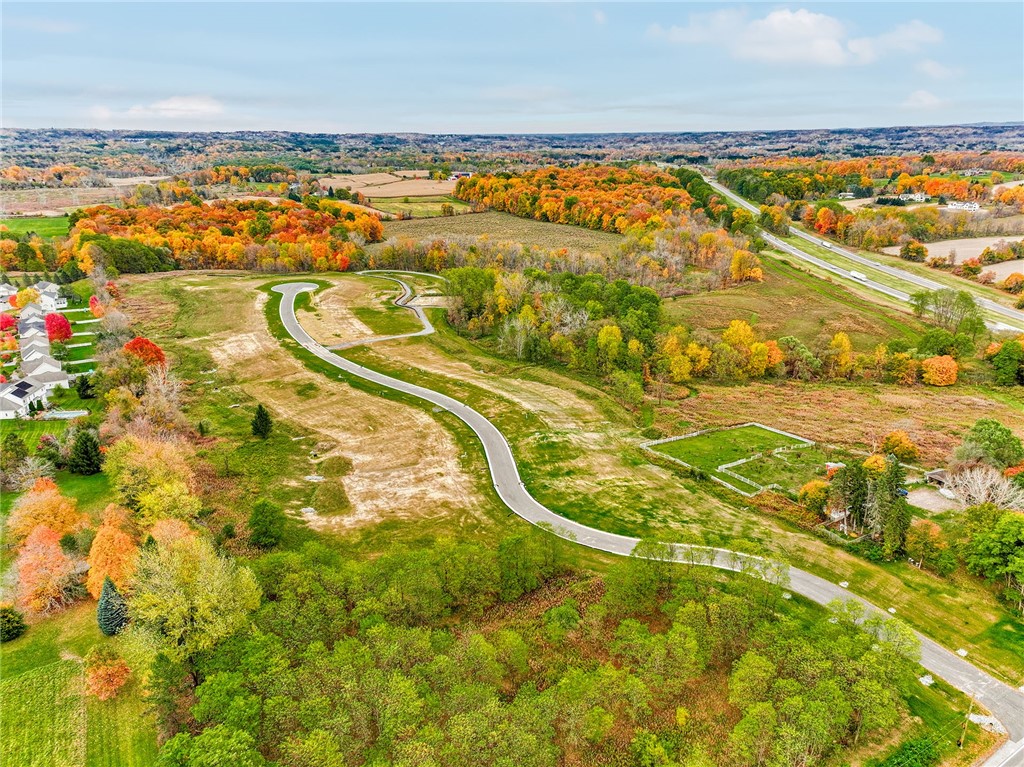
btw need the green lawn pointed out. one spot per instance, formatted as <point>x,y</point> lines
<point>417,207</point>
<point>389,320</point>
<point>710,450</point>
<point>44,226</point>
<point>791,469</point>
<point>45,718</point>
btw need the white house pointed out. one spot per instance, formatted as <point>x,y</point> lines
<point>45,371</point>
<point>31,311</point>
<point>914,197</point>
<point>971,207</point>
<point>33,349</point>
<point>16,397</point>
<point>50,297</point>
<point>6,291</point>
<point>28,329</point>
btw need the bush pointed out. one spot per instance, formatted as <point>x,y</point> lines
<point>898,443</point>
<point>939,371</point>
<point>105,672</point>
<point>12,623</point>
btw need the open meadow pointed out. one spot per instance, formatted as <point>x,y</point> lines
<point>397,184</point>
<point>44,226</point>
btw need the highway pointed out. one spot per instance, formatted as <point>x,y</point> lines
<point>1002,700</point>
<point>1013,316</point>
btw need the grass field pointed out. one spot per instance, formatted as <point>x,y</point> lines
<point>387,321</point>
<point>791,469</point>
<point>44,226</point>
<point>712,449</point>
<point>505,227</point>
<point>791,302</point>
<point>417,207</point>
<point>45,718</point>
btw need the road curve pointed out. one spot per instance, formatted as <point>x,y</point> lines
<point>1005,703</point>
<point>1014,315</point>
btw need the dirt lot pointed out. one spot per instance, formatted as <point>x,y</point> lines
<point>966,248</point>
<point>929,499</point>
<point>398,184</point>
<point>405,464</point>
<point>333,321</point>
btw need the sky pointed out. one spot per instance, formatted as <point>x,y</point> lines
<point>528,67</point>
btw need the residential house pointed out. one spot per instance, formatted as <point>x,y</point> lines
<point>6,291</point>
<point>34,348</point>
<point>914,197</point>
<point>45,371</point>
<point>31,311</point>
<point>16,397</point>
<point>971,207</point>
<point>28,329</point>
<point>50,297</point>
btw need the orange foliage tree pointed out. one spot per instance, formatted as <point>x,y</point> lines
<point>46,575</point>
<point>43,504</point>
<point>147,351</point>
<point>96,307</point>
<point>939,371</point>
<point>112,553</point>
<point>105,672</point>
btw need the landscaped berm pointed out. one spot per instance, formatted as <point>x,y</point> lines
<point>747,458</point>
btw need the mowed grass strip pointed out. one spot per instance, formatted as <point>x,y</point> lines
<point>44,717</point>
<point>44,226</point>
<point>119,732</point>
<point>710,450</point>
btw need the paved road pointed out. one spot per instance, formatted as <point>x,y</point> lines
<point>1014,316</point>
<point>1005,703</point>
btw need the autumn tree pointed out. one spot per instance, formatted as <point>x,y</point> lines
<point>913,251</point>
<point>899,444</point>
<point>147,351</point>
<point>113,552</point>
<point>44,504</point>
<point>58,328</point>
<point>105,672</point>
<point>111,610</point>
<point>928,547</point>
<point>261,422</point>
<point>939,371</point>
<point>46,575</point>
<point>186,597</point>
<point>96,307</point>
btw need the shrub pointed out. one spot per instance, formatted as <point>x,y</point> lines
<point>105,672</point>
<point>898,443</point>
<point>913,251</point>
<point>939,371</point>
<point>12,623</point>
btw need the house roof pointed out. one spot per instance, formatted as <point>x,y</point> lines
<point>7,290</point>
<point>19,391</point>
<point>40,365</point>
<point>50,376</point>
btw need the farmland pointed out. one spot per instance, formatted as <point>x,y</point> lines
<point>417,207</point>
<point>504,227</point>
<point>399,184</point>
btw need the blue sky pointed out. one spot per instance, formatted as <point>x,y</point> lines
<point>515,67</point>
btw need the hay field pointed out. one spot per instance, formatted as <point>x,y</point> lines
<point>406,183</point>
<point>54,202</point>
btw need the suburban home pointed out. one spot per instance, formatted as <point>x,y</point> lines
<point>45,371</point>
<point>6,291</point>
<point>50,297</point>
<point>34,348</point>
<point>914,197</point>
<point>31,311</point>
<point>972,207</point>
<point>16,397</point>
<point>32,329</point>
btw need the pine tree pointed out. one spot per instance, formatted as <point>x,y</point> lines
<point>261,423</point>
<point>266,524</point>
<point>896,516</point>
<point>85,455</point>
<point>112,611</point>
<point>83,387</point>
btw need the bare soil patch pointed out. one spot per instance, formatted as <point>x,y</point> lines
<point>398,184</point>
<point>930,499</point>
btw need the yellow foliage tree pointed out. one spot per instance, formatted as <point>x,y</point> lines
<point>112,553</point>
<point>44,505</point>
<point>740,336</point>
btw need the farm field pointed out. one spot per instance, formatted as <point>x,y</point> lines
<point>53,202</point>
<point>791,302</point>
<point>44,226</point>
<point>397,184</point>
<point>503,227</point>
<point>417,207</point>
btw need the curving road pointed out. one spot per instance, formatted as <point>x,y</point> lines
<point>1015,316</point>
<point>1005,703</point>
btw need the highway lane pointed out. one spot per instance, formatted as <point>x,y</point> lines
<point>1005,703</point>
<point>1014,316</point>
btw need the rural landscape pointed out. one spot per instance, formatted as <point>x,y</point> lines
<point>559,444</point>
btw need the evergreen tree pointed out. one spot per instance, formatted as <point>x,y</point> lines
<point>83,387</point>
<point>85,454</point>
<point>261,423</point>
<point>111,611</point>
<point>895,511</point>
<point>12,624</point>
<point>266,524</point>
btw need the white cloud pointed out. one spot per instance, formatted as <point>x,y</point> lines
<point>922,99</point>
<point>37,24</point>
<point>785,36</point>
<point>173,108</point>
<point>600,17</point>
<point>935,70</point>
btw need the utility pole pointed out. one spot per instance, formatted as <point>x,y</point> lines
<point>967,719</point>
